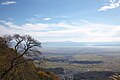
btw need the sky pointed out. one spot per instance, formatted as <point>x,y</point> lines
<point>62,20</point>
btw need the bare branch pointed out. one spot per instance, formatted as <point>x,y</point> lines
<point>23,45</point>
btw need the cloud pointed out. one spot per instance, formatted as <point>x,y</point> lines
<point>63,31</point>
<point>46,19</point>
<point>8,3</point>
<point>37,19</point>
<point>112,4</point>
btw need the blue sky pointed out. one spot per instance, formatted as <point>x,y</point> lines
<point>62,20</point>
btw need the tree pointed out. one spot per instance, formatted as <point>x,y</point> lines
<point>115,77</point>
<point>23,46</point>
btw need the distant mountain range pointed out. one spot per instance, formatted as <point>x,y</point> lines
<point>70,43</point>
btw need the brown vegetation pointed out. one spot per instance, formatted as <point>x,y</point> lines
<point>13,64</point>
<point>46,75</point>
<point>16,60</point>
<point>115,77</point>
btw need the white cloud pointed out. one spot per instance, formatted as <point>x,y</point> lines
<point>37,19</point>
<point>112,4</point>
<point>64,31</point>
<point>8,3</point>
<point>46,19</point>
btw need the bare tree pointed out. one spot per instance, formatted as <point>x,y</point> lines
<point>23,46</point>
<point>4,41</point>
<point>115,77</point>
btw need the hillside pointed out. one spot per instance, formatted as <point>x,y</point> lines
<point>23,70</point>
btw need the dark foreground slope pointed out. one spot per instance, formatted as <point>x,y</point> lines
<point>24,71</point>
